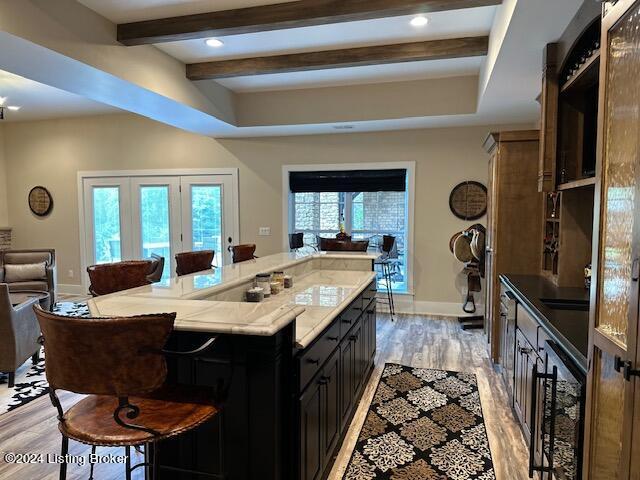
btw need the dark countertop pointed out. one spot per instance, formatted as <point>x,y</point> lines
<point>569,328</point>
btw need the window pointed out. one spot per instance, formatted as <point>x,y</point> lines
<point>366,215</point>
<point>318,214</point>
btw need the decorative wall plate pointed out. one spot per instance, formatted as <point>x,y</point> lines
<point>468,200</point>
<point>40,201</point>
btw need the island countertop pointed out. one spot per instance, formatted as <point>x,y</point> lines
<point>318,296</point>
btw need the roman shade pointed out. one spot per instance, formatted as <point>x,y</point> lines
<point>394,180</point>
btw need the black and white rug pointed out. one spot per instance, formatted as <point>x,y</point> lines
<point>423,424</point>
<point>30,381</point>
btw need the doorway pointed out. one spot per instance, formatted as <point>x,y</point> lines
<point>131,215</point>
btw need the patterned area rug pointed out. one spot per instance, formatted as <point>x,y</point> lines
<point>30,382</point>
<point>423,425</point>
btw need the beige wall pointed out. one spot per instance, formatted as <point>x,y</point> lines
<point>52,152</point>
<point>4,208</point>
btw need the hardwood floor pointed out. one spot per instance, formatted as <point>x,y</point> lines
<point>440,343</point>
<point>411,340</point>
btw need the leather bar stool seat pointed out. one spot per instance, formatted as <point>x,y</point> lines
<point>331,245</point>
<point>192,262</point>
<point>114,277</point>
<point>168,411</point>
<point>242,253</point>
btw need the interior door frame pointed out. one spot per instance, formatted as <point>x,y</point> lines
<point>612,14</point>
<point>83,218</point>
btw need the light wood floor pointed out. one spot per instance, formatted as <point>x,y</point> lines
<point>411,340</point>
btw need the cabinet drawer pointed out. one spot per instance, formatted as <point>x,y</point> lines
<point>350,316</point>
<point>312,360</point>
<point>528,326</point>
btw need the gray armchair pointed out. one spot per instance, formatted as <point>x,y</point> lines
<point>19,333</point>
<point>44,283</point>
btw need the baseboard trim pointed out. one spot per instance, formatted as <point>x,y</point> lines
<point>406,304</point>
<point>67,289</point>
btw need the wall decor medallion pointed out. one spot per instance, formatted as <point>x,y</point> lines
<point>40,201</point>
<point>468,200</point>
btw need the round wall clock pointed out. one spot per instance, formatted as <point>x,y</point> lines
<point>40,201</point>
<point>468,200</point>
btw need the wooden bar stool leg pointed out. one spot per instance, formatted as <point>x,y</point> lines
<point>63,451</point>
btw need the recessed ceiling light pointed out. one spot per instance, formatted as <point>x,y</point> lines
<point>419,21</point>
<point>13,108</point>
<point>214,42</point>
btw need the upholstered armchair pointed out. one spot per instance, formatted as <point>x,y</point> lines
<point>19,333</point>
<point>18,272</point>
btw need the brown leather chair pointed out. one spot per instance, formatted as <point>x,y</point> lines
<point>192,262</point>
<point>19,332</point>
<point>242,253</point>
<point>155,268</point>
<point>127,403</point>
<point>331,245</point>
<point>115,277</point>
<point>45,282</point>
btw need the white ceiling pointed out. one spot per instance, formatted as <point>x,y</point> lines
<point>450,24</point>
<point>124,11</point>
<point>447,24</point>
<point>38,101</point>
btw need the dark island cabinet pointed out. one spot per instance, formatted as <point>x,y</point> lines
<point>283,410</point>
<point>327,403</point>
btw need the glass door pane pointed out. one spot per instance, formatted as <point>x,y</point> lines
<point>156,219</point>
<point>154,225</point>
<point>106,224</point>
<point>107,232</point>
<point>208,215</point>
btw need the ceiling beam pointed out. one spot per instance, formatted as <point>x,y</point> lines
<point>302,13</point>
<point>350,57</point>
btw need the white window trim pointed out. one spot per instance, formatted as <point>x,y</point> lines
<point>410,167</point>
<point>168,172</point>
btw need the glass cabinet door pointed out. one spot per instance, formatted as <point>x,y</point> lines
<point>614,338</point>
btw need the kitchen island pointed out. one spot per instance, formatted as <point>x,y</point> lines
<point>288,371</point>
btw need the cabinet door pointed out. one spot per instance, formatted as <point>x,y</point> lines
<point>526,358</point>
<point>613,339</point>
<point>372,332</point>
<point>311,436</point>
<point>358,344</point>
<point>331,408</point>
<point>347,380</point>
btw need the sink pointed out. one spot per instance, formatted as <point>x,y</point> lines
<point>566,304</point>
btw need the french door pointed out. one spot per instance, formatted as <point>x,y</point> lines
<point>133,217</point>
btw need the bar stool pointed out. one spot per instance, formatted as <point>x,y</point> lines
<point>192,262</point>
<point>296,241</point>
<point>242,253</point>
<point>114,277</point>
<point>127,402</point>
<point>331,245</point>
<point>385,263</point>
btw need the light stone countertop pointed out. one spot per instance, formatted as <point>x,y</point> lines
<point>318,297</point>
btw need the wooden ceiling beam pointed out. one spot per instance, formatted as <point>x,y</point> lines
<point>350,57</point>
<point>303,13</point>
